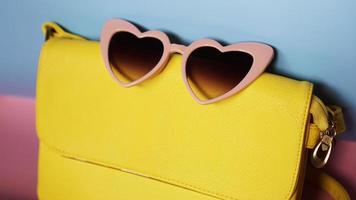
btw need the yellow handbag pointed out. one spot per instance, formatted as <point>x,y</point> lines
<point>102,141</point>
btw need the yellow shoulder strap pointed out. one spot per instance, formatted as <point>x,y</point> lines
<point>319,113</point>
<point>327,183</point>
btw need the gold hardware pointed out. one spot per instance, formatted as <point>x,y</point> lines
<point>322,151</point>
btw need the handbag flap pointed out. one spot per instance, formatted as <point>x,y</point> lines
<point>249,146</point>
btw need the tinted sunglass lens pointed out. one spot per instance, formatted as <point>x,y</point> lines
<point>131,57</point>
<point>211,73</point>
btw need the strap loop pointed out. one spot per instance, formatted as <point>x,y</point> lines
<point>53,30</point>
<point>319,113</point>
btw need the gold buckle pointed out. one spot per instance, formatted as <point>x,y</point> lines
<point>322,151</point>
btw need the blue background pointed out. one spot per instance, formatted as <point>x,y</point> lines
<point>315,40</point>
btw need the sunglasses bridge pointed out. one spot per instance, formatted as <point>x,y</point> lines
<point>177,48</point>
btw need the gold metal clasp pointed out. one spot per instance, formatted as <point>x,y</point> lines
<point>322,151</point>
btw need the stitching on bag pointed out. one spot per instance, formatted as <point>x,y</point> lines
<point>44,50</point>
<point>303,126</point>
<point>124,169</point>
<point>142,175</point>
<point>42,58</point>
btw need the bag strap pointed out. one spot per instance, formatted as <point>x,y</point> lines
<point>327,183</point>
<point>319,122</point>
<point>319,113</point>
<point>53,30</point>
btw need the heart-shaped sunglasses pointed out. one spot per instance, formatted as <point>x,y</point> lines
<point>211,72</point>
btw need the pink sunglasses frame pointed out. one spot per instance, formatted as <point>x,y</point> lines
<point>262,55</point>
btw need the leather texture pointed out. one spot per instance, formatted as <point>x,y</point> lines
<point>102,138</point>
<point>62,178</point>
